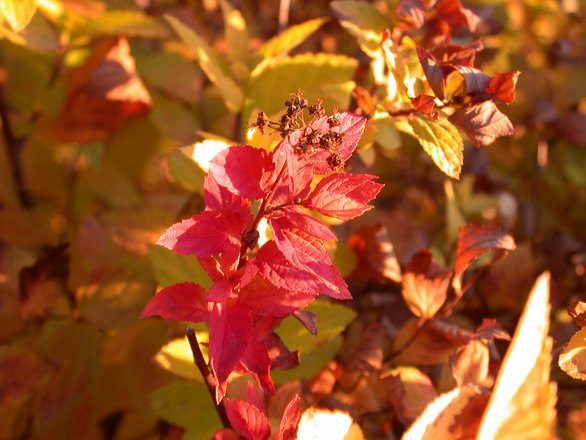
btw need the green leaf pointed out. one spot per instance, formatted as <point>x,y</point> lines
<point>236,33</point>
<point>440,139</point>
<point>187,405</point>
<point>361,14</point>
<point>170,268</point>
<point>290,38</point>
<point>185,171</point>
<point>18,13</point>
<point>332,319</point>
<point>211,63</point>
<point>273,81</point>
<point>126,23</point>
<point>173,119</point>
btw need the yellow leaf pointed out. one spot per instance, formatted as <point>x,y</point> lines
<point>177,358</point>
<point>289,39</point>
<point>236,33</point>
<point>211,63</point>
<point>440,139</point>
<point>18,13</point>
<point>522,404</point>
<point>573,358</point>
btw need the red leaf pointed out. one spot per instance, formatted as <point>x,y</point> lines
<point>483,122</point>
<point>278,271</point>
<point>179,302</point>
<point>461,55</point>
<point>257,362</point>
<point>425,285</point>
<point>207,234</point>
<point>424,104</point>
<point>220,290</point>
<point>433,72</point>
<point>351,128</point>
<point>247,419</point>
<point>502,86</point>
<point>265,299</point>
<point>240,169</point>
<point>226,434</point>
<point>230,332</point>
<point>343,196</point>
<point>290,420</point>
<point>253,396</point>
<point>217,196</point>
<point>104,92</point>
<point>473,241</point>
<point>476,80</point>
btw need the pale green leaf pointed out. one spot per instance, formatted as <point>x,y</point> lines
<point>360,13</point>
<point>236,33</point>
<point>18,13</point>
<point>126,23</point>
<point>290,38</point>
<point>440,139</point>
<point>211,63</point>
<point>332,319</point>
<point>187,405</point>
<point>318,75</point>
<point>171,268</point>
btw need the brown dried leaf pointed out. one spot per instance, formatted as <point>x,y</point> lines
<point>573,358</point>
<point>473,241</point>
<point>425,284</point>
<point>104,92</point>
<point>483,123</point>
<point>376,255</point>
<point>522,404</point>
<point>409,391</point>
<point>454,415</point>
<point>577,423</point>
<point>470,364</point>
<point>577,310</point>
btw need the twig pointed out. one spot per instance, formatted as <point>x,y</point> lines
<point>202,366</point>
<point>13,145</point>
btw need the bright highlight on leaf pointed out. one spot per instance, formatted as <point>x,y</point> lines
<point>319,423</point>
<point>18,13</point>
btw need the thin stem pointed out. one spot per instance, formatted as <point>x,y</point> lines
<point>409,341</point>
<point>283,14</point>
<point>209,379</point>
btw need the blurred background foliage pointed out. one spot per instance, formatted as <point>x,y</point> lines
<point>108,109</point>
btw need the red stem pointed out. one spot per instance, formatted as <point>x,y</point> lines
<point>209,379</point>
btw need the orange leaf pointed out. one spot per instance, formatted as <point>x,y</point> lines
<point>573,358</point>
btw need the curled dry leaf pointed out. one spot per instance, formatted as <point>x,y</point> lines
<point>470,364</point>
<point>522,404</point>
<point>425,284</point>
<point>577,310</point>
<point>573,358</point>
<point>454,415</point>
<point>376,255</point>
<point>409,392</point>
<point>473,241</point>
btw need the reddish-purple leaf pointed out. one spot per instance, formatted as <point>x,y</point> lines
<point>343,196</point>
<point>491,329</point>
<point>502,86</point>
<point>483,122</point>
<point>207,234</point>
<point>475,240</point>
<point>413,12</point>
<point>308,319</point>
<point>240,169</point>
<point>572,127</point>
<point>265,299</point>
<point>425,285</point>
<point>433,72</point>
<point>179,302</point>
<point>476,80</point>
<point>230,333</point>
<point>290,420</point>
<point>280,272</point>
<point>247,419</point>
<point>281,357</point>
<point>460,55</point>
